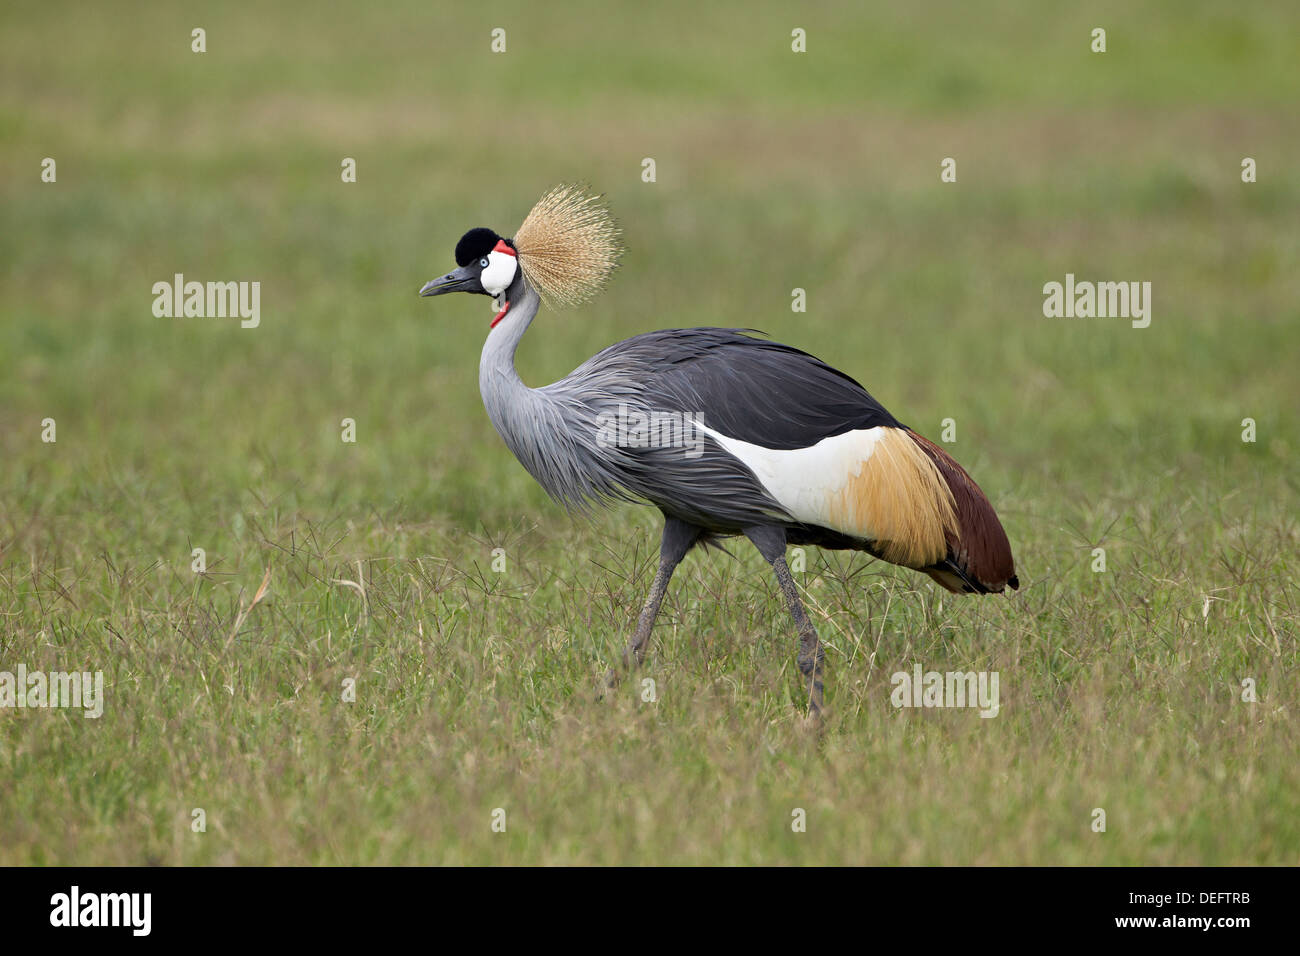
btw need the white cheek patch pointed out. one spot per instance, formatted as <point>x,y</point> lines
<point>500,272</point>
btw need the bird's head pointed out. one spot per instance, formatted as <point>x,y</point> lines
<point>564,251</point>
<point>485,264</point>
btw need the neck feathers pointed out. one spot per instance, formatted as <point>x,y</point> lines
<point>523,416</point>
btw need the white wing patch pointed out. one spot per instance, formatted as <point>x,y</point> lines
<point>874,484</point>
<point>807,482</point>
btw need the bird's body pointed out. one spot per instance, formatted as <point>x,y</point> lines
<point>724,432</point>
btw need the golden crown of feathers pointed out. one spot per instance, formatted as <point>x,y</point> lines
<point>568,245</point>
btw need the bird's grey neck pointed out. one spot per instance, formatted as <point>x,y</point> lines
<point>496,370</point>
<point>524,417</point>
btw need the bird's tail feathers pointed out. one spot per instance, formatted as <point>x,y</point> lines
<point>898,499</point>
<point>979,554</point>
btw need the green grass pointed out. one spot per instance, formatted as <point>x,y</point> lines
<point>476,689</point>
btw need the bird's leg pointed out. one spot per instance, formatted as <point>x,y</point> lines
<point>646,622</point>
<point>679,537</point>
<point>770,541</point>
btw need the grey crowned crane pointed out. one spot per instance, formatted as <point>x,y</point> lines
<point>789,449</point>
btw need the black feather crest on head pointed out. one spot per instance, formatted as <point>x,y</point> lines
<point>475,244</point>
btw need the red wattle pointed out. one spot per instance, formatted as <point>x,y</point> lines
<point>500,315</point>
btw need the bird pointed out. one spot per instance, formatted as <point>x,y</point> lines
<point>726,432</point>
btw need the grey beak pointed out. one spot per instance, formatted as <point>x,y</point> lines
<point>461,279</point>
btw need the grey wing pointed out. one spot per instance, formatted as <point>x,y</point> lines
<point>756,390</point>
<point>747,388</point>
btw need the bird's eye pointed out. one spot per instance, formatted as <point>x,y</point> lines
<point>483,263</point>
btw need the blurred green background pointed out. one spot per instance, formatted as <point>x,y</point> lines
<point>775,170</point>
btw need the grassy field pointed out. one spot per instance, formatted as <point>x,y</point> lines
<point>475,686</point>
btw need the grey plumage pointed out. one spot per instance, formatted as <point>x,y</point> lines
<point>554,430</point>
<point>748,388</point>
